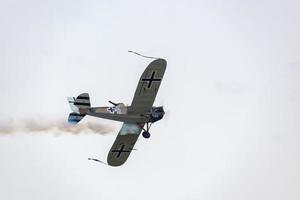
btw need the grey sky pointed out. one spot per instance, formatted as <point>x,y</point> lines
<point>231,89</point>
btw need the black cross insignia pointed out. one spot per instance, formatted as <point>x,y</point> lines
<point>119,151</point>
<point>111,109</point>
<point>151,79</point>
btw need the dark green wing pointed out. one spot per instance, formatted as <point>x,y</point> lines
<point>147,87</point>
<point>142,102</point>
<point>124,144</point>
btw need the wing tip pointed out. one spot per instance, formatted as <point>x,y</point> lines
<point>161,60</point>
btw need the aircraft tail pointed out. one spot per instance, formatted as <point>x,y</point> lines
<point>79,106</point>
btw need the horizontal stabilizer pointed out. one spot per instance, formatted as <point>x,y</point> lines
<point>74,117</point>
<point>71,101</point>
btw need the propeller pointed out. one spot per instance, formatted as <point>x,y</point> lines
<point>167,111</point>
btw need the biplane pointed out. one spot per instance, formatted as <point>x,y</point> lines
<point>137,117</point>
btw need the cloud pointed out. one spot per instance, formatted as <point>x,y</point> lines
<point>294,65</point>
<point>230,87</point>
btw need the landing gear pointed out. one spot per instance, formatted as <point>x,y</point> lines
<point>146,133</point>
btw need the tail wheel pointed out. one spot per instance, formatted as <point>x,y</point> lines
<point>146,134</point>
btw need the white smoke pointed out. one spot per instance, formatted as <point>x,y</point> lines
<point>58,126</point>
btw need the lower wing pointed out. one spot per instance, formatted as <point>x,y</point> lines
<point>124,144</point>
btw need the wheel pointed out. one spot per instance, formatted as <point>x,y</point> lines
<point>146,134</point>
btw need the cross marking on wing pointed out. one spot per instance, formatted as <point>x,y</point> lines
<point>120,151</point>
<point>151,79</point>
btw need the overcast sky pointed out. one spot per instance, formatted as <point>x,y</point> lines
<point>231,92</point>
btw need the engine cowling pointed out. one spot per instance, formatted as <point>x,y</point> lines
<point>157,113</point>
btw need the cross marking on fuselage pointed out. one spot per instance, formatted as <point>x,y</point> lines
<point>111,109</point>
<point>151,79</point>
<point>119,151</point>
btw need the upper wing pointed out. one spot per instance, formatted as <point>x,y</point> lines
<point>147,88</point>
<point>124,144</point>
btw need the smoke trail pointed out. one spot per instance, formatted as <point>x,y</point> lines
<point>52,126</point>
